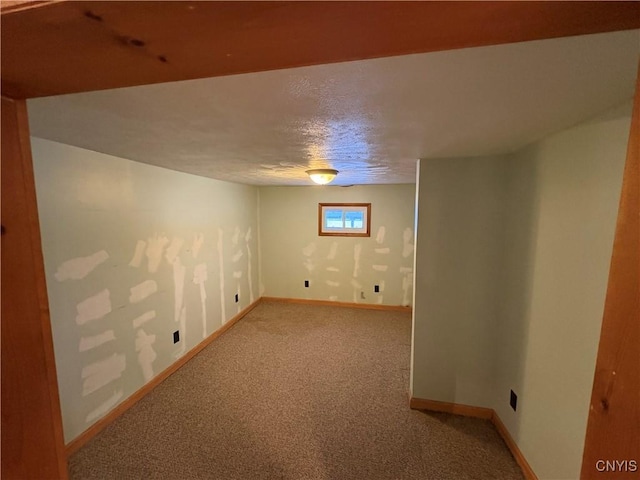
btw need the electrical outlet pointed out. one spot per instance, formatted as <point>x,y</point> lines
<point>376,288</point>
<point>176,336</point>
<point>513,401</point>
<point>237,299</point>
<point>306,283</point>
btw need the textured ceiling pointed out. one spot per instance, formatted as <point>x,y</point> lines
<point>369,119</point>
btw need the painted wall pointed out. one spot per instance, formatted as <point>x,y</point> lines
<point>563,195</point>
<point>132,254</point>
<point>342,269</point>
<point>458,258</point>
<point>512,259</point>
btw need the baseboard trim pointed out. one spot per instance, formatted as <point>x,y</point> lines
<point>101,424</point>
<point>515,451</point>
<point>366,306</point>
<point>478,412</point>
<point>455,408</point>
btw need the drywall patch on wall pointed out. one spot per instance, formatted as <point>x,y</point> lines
<point>198,240</point>
<point>407,285</point>
<point>179,272</point>
<point>78,268</point>
<point>247,239</point>
<point>333,250</point>
<point>155,246</point>
<point>383,251</point>
<point>93,341</point>
<point>145,317</point>
<point>138,255</point>
<point>104,407</point>
<point>221,271</point>
<point>142,291</point>
<point>309,249</point>
<point>380,268</point>
<point>332,269</point>
<point>94,308</point>
<point>98,374</point>
<point>146,354</point>
<point>357,250</point>
<point>331,283</point>
<point>380,235</point>
<point>173,250</point>
<point>199,277</point>
<point>169,216</point>
<point>407,246</point>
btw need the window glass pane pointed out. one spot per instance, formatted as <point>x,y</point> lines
<point>333,218</point>
<point>353,219</point>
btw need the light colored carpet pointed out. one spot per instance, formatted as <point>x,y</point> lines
<point>295,392</point>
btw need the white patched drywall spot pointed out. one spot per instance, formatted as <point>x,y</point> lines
<point>144,318</point>
<point>357,250</point>
<point>155,246</point>
<point>78,268</point>
<point>142,291</point>
<point>223,315</point>
<point>333,250</point>
<point>136,261</point>
<point>247,239</point>
<point>380,235</point>
<point>104,407</point>
<point>198,240</point>
<point>199,277</point>
<point>407,246</point>
<point>407,284</point>
<point>87,343</point>
<point>309,249</point>
<point>146,354</point>
<point>101,373</point>
<point>93,308</point>
<point>173,250</point>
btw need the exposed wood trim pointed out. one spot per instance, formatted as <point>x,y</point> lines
<point>613,427</point>
<point>448,407</point>
<point>322,233</point>
<point>100,425</point>
<point>365,306</point>
<point>528,472</point>
<point>478,412</point>
<point>71,47</point>
<point>32,437</point>
<point>11,6</point>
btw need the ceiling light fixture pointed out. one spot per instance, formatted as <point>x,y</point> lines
<point>322,176</point>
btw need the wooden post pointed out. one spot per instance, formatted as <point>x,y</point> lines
<point>32,438</point>
<point>613,429</point>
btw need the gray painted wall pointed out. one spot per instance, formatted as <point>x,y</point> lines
<point>563,195</point>
<point>113,312</point>
<point>512,259</point>
<point>458,258</point>
<point>338,268</point>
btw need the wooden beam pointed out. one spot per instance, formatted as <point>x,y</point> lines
<point>613,428</point>
<point>32,439</point>
<point>69,47</point>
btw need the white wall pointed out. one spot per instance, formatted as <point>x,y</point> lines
<point>512,259</point>
<point>563,195</point>
<point>458,255</point>
<point>198,249</point>
<point>338,268</point>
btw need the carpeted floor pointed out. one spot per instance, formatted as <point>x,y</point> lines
<point>295,392</point>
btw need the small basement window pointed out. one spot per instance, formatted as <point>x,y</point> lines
<point>344,219</point>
